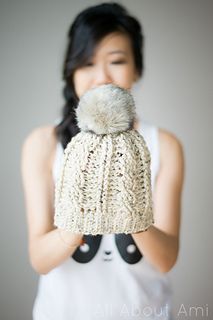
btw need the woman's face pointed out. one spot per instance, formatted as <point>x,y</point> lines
<point>112,62</point>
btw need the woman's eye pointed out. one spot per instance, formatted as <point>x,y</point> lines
<point>88,64</point>
<point>118,62</point>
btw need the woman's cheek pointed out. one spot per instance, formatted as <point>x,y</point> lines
<point>82,81</point>
<point>124,78</point>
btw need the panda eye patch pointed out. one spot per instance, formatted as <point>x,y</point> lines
<point>86,252</point>
<point>127,248</point>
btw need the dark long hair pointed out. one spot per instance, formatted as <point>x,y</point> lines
<point>88,28</point>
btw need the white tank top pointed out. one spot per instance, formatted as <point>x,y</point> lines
<point>106,278</point>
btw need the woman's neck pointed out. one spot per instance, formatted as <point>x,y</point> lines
<point>136,124</point>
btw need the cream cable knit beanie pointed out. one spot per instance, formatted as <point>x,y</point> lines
<point>105,181</point>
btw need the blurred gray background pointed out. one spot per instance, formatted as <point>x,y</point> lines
<point>175,93</point>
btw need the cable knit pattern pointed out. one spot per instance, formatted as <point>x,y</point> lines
<point>105,184</point>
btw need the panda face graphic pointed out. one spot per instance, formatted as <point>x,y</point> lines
<point>108,247</point>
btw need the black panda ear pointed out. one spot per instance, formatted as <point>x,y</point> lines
<point>88,250</point>
<point>127,248</point>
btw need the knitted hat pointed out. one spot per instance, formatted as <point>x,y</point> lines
<point>105,181</point>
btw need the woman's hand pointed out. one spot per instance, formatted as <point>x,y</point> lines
<point>70,239</point>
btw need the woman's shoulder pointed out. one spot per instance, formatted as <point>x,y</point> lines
<point>170,145</point>
<point>168,138</point>
<point>41,136</point>
<point>40,143</point>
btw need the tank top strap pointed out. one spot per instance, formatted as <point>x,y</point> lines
<point>57,160</point>
<point>150,133</point>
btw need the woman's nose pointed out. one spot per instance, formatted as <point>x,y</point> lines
<point>102,76</point>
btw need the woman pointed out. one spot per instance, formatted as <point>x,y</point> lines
<point>93,279</point>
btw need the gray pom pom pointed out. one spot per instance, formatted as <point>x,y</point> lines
<point>106,109</point>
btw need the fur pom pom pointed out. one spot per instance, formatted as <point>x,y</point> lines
<point>106,109</point>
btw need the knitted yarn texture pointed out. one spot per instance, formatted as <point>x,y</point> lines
<point>105,181</point>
